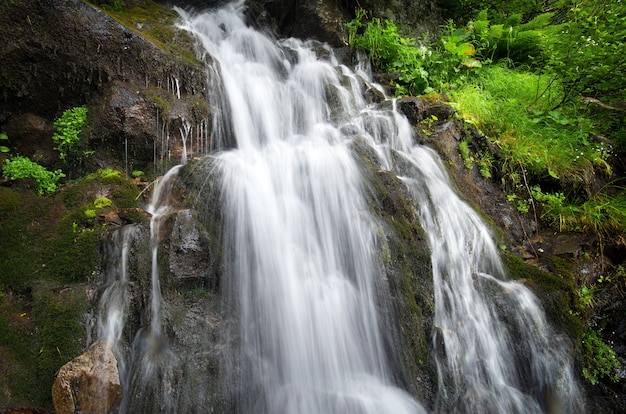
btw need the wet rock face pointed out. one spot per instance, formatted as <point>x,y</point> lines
<point>63,54</point>
<point>90,383</point>
<point>189,249</point>
<point>325,20</point>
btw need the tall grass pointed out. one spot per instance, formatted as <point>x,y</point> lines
<point>543,147</point>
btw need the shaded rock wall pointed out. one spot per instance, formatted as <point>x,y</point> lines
<point>66,53</point>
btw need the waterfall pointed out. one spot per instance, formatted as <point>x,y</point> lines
<point>301,254</point>
<point>498,354</point>
<point>115,296</point>
<point>299,240</point>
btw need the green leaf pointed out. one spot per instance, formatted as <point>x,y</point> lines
<point>553,174</point>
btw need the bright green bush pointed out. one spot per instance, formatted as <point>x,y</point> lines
<point>67,136</point>
<point>21,167</point>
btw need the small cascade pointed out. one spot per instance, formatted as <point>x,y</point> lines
<point>158,208</point>
<point>299,242</point>
<point>185,134</point>
<point>115,290</point>
<point>495,350</point>
<point>148,382</point>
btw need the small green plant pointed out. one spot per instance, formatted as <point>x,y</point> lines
<point>3,148</point>
<point>109,173</point>
<point>137,174</point>
<point>67,136</point>
<point>485,164</point>
<point>464,150</point>
<point>598,358</point>
<point>102,202</point>
<point>585,296</point>
<point>21,167</point>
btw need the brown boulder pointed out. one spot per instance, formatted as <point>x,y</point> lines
<point>90,383</point>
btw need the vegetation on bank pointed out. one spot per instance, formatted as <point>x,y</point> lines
<point>49,238</point>
<point>543,84</point>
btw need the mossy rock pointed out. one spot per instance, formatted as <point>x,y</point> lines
<point>406,264</point>
<point>555,290</point>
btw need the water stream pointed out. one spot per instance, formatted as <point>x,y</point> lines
<point>301,257</point>
<point>300,248</point>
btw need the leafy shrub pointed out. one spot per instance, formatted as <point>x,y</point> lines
<point>67,136</point>
<point>21,167</point>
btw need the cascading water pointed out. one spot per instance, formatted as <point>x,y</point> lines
<point>299,242</point>
<point>115,296</point>
<point>301,254</point>
<point>498,354</point>
<point>148,382</point>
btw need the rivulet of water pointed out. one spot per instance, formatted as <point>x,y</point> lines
<point>300,253</point>
<point>148,381</point>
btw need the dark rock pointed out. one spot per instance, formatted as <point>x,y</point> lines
<point>65,54</point>
<point>189,256</point>
<point>322,20</point>
<point>413,108</point>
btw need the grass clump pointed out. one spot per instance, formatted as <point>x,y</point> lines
<point>548,158</point>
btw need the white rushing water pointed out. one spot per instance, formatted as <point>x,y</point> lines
<point>115,296</point>
<point>300,251</point>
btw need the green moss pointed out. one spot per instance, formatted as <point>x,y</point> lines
<point>19,346</point>
<point>74,255</point>
<point>46,243</point>
<point>199,108</point>
<point>405,257</point>
<point>22,221</point>
<point>157,95</point>
<point>556,291</point>
<point>59,312</point>
<point>121,190</point>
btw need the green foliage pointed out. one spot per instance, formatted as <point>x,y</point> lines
<point>390,52</point>
<point>67,136</point>
<point>598,358</point>
<point>523,103</point>
<point>21,167</point>
<point>587,52</point>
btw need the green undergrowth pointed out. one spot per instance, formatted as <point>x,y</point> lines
<point>516,80</point>
<point>548,162</point>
